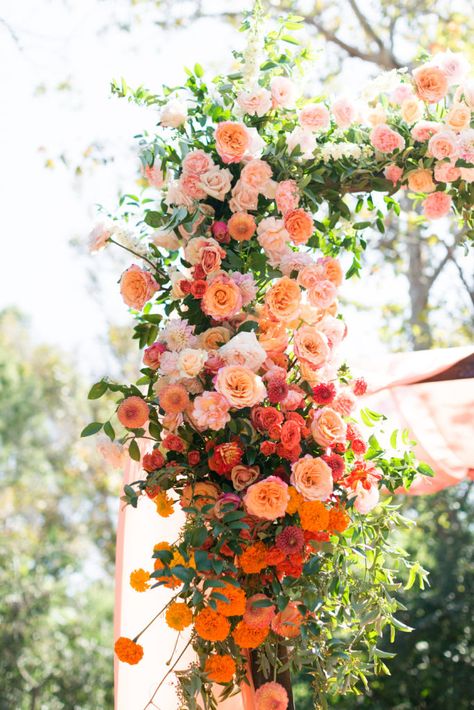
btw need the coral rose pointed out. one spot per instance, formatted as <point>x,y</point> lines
<point>288,622</point>
<point>137,287</point>
<point>299,225</point>
<point>197,162</point>
<point>240,386</point>
<point>312,478</point>
<point>421,180</point>
<point>328,428</point>
<point>223,299</point>
<point>386,140</point>
<point>283,299</point>
<point>133,412</point>
<point>241,226</point>
<point>311,346</point>
<point>431,83</point>
<point>232,141</point>
<point>437,205</point>
<point>267,499</point>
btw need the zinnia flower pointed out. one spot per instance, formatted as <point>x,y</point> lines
<point>290,540</point>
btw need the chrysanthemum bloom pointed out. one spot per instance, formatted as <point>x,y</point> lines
<point>164,504</point>
<point>313,515</point>
<point>133,412</point>
<point>128,651</point>
<point>220,669</point>
<point>241,226</point>
<point>337,465</point>
<point>253,559</point>
<point>178,616</point>
<point>338,520</point>
<point>237,600</point>
<point>174,399</point>
<point>247,636</point>
<point>139,580</point>
<point>211,626</point>
<point>288,622</point>
<point>290,540</point>
<point>271,696</point>
<point>257,616</point>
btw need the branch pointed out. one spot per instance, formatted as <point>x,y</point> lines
<point>11,32</point>
<point>463,279</point>
<point>368,29</point>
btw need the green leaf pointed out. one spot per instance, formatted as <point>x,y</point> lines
<point>425,469</point>
<point>98,390</point>
<point>91,428</point>
<point>248,326</point>
<point>109,430</point>
<point>134,451</point>
<point>198,70</point>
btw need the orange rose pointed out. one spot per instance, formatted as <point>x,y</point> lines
<point>272,336</point>
<point>431,83</point>
<point>299,225</point>
<point>288,622</point>
<point>199,494</point>
<point>421,180</point>
<point>283,299</point>
<point>267,499</point>
<point>241,226</point>
<point>232,141</point>
<point>333,271</point>
<point>328,428</point>
<point>137,287</point>
<point>240,386</point>
<point>312,478</point>
<point>223,298</point>
<point>311,346</point>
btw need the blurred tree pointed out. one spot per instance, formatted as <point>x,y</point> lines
<point>56,535</point>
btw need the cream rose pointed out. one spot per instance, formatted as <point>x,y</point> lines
<point>312,477</point>
<point>240,386</point>
<point>191,361</point>
<point>244,349</point>
<point>458,118</point>
<point>311,346</point>
<point>216,182</point>
<point>328,428</point>
<point>213,338</point>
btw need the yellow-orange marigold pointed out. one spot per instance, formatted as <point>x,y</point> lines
<point>295,501</point>
<point>339,520</point>
<point>178,616</point>
<point>237,601</point>
<point>247,636</point>
<point>254,558</point>
<point>220,669</point>
<point>139,580</point>
<point>313,515</point>
<point>128,651</point>
<point>164,504</point>
<point>211,626</point>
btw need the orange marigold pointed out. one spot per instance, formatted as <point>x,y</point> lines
<point>178,559</point>
<point>220,669</point>
<point>313,515</point>
<point>295,501</point>
<point>164,504</point>
<point>237,601</point>
<point>139,580</point>
<point>338,520</point>
<point>211,626</point>
<point>128,651</point>
<point>178,616</point>
<point>254,558</point>
<point>247,636</point>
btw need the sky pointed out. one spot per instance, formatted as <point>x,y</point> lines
<point>57,59</point>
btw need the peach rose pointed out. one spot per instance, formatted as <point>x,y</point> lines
<point>377,115</point>
<point>328,428</point>
<point>244,198</point>
<point>240,386</point>
<point>437,205</point>
<point>467,174</point>
<point>197,162</point>
<point>255,103</point>
<point>283,299</point>
<point>458,118</point>
<point>283,92</point>
<point>288,622</point>
<point>332,270</point>
<point>323,294</point>
<point>241,226</point>
<point>421,180</point>
<point>273,238</point>
<point>165,240</point>
<point>197,495</point>
<point>412,110</point>
<point>446,172</point>
<point>114,454</point>
<point>216,182</point>
<point>443,145</point>
<point>431,83</point>
<point>243,476</point>
<point>386,140</point>
<point>191,362</point>
<point>312,478</point>
<point>299,225</point>
<point>272,336</point>
<point>137,287</point>
<point>222,299</point>
<point>315,117</point>
<point>344,112</point>
<point>211,411</point>
<point>173,114</point>
<point>232,141</point>
<point>311,346</point>
<point>267,499</point>
<point>213,338</point>
<point>244,349</point>
<point>255,174</point>
<point>303,139</point>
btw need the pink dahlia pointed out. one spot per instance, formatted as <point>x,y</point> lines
<point>290,540</point>
<point>256,616</point>
<point>271,696</point>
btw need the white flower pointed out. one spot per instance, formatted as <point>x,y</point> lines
<point>244,349</point>
<point>173,114</point>
<point>303,138</point>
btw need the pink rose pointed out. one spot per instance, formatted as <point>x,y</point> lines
<point>302,138</point>
<point>334,329</point>
<point>99,237</point>
<point>287,196</point>
<point>154,176</point>
<point>216,182</point>
<point>283,92</point>
<point>431,83</point>
<point>366,498</point>
<point>211,411</point>
<point>255,103</point>
<point>454,66</point>
<point>423,130</point>
<point>315,117</point>
<point>443,145</point>
<point>323,294</point>
<point>437,205</point>
<point>386,140</point>
<point>197,162</point>
<point>328,428</point>
<point>344,112</point>
<point>466,145</point>
<point>137,287</point>
<point>400,93</point>
<point>152,355</point>
<point>466,93</point>
<point>311,346</point>
<point>446,172</point>
<point>393,173</point>
<point>176,195</point>
<point>190,185</point>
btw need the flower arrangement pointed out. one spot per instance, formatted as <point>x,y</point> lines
<point>251,191</point>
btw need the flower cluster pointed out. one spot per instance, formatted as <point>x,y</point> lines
<point>253,418</point>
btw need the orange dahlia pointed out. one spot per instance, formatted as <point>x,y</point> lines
<point>237,601</point>
<point>254,558</point>
<point>133,412</point>
<point>211,626</point>
<point>313,515</point>
<point>220,669</point>
<point>173,399</point>
<point>139,580</point>
<point>247,636</point>
<point>338,520</point>
<point>128,651</point>
<point>178,616</point>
